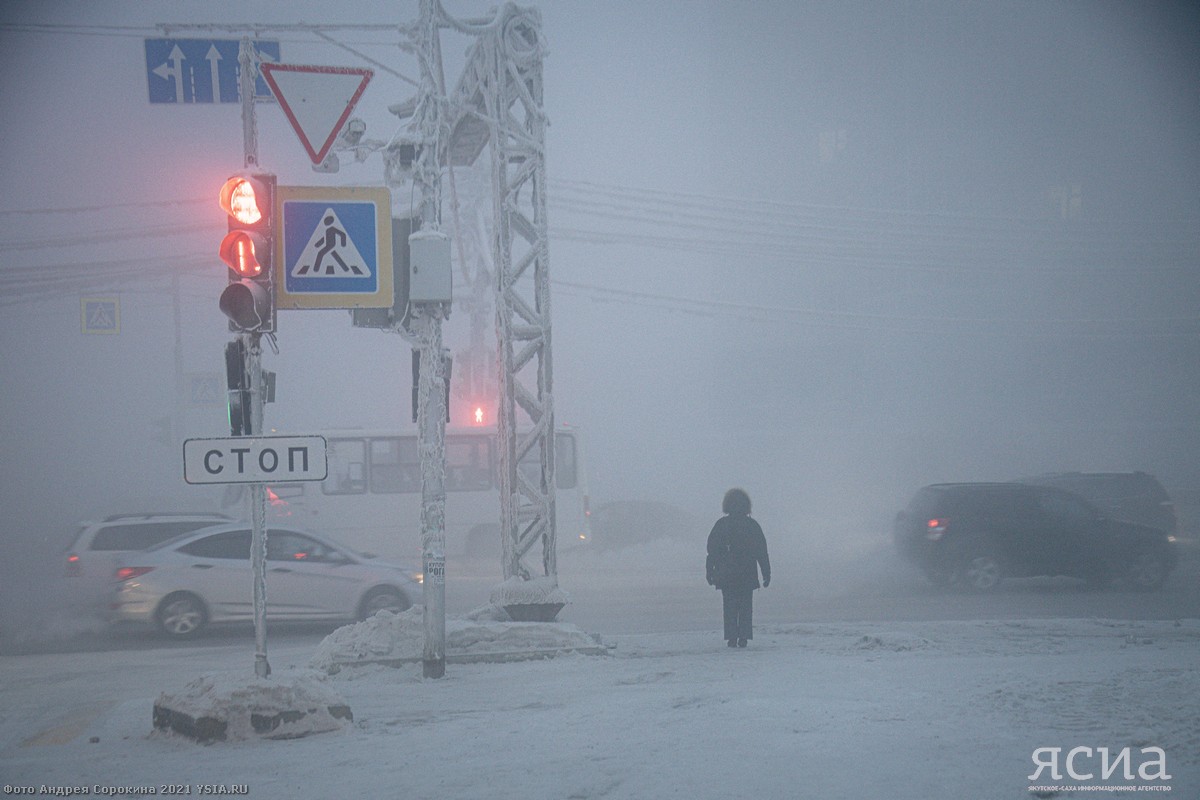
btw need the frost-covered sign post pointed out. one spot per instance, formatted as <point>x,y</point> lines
<point>256,460</point>
<point>429,254</point>
<point>167,60</point>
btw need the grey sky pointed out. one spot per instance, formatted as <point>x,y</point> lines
<point>832,251</point>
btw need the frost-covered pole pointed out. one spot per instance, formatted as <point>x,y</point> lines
<point>427,325</point>
<point>258,512</point>
<point>431,420</point>
<point>248,74</point>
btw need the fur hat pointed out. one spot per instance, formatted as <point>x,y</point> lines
<point>736,502</point>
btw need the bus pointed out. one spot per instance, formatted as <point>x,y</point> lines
<point>371,497</point>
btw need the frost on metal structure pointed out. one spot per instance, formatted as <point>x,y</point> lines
<point>498,102</point>
<point>426,326</point>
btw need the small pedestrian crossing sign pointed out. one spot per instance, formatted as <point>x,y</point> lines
<point>335,248</point>
<point>100,314</point>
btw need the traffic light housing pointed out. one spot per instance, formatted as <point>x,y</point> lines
<point>248,252</point>
<point>237,380</point>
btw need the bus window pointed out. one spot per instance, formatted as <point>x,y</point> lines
<point>565,471</point>
<point>468,464</point>
<point>347,459</point>
<point>395,465</point>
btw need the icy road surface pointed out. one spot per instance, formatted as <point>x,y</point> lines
<point>896,710</point>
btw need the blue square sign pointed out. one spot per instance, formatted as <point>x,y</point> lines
<point>334,248</point>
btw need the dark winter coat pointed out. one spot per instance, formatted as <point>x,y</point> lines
<point>737,550</point>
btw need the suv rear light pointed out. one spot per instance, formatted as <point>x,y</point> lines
<point>74,569</point>
<point>936,528</point>
<point>129,573</point>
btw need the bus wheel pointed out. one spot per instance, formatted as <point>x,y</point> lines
<point>484,540</point>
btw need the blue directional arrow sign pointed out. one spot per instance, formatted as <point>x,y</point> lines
<point>201,70</point>
<point>334,247</point>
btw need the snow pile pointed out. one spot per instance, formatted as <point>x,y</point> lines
<point>398,638</point>
<point>295,706</point>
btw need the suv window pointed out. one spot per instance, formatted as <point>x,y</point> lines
<point>1133,496</point>
<point>233,544</point>
<point>1064,506</point>
<point>141,536</point>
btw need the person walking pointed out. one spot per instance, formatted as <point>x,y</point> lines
<point>737,550</point>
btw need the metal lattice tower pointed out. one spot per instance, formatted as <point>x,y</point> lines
<point>498,102</point>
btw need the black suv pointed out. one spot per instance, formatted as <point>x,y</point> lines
<point>1132,496</point>
<point>976,534</point>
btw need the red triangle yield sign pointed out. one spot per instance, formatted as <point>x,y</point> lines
<point>316,100</point>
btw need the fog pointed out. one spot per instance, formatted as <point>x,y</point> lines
<point>827,252</point>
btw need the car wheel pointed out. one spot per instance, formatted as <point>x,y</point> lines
<point>181,615</point>
<point>981,573</point>
<point>383,599</point>
<point>940,578</point>
<point>484,540</point>
<point>1147,571</point>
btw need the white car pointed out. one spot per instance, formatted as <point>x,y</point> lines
<point>205,577</point>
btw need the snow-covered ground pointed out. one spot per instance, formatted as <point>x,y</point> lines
<point>900,710</point>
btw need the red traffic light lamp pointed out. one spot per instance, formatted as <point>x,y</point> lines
<point>247,198</point>
<point>240,252</point>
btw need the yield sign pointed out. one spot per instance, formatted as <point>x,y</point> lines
<point>316,100</point>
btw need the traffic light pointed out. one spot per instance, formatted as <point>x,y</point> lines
<point>247,250</point>
<point>238,384</point>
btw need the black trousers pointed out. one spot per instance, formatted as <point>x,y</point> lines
<point>739,613</point>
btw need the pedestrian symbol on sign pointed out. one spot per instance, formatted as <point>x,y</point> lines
<point>332,243</point>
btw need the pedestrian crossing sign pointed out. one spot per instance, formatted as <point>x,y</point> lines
<point>100,314</point>
<point>334,248</point>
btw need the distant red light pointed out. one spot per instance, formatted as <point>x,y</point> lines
<point>936,528</point>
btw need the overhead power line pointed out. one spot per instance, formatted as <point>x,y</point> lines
<point>105,207</point>
<point>744,231</point>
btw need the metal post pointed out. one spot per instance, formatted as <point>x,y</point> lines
<point>427,326</point>
<point>258,511</point>
<point>178,420</point>
<point>431,422</point>
<point>248,62</point>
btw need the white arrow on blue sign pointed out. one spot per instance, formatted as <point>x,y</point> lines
<point>201,70</point>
